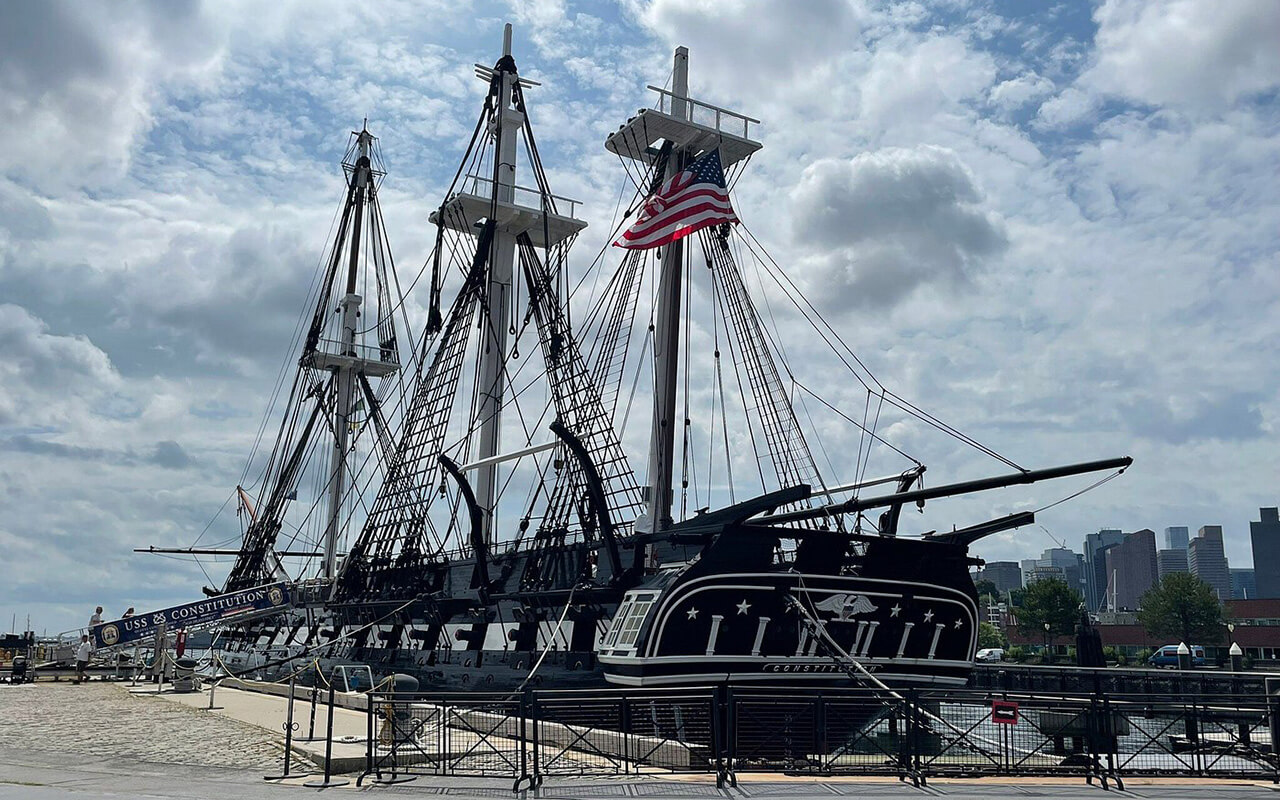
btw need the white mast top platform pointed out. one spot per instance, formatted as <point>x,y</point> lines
<point>475,199</point>
<point>690,125</point>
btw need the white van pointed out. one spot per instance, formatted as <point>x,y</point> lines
<point>990,654</point>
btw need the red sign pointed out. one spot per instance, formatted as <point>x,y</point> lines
<point>1004,712</point>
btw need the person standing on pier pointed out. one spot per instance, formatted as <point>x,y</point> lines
<point>96,619</point>
<point>82,658</point>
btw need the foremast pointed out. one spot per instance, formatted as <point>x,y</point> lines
<point>342,352</point>
<point>350,360</point>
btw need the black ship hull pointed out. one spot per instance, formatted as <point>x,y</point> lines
<point>719,613</point>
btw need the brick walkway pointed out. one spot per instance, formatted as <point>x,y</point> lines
<point>103,720</point>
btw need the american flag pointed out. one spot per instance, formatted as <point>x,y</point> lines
<point>694,198</point>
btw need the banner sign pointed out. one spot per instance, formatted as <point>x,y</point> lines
<point>223,607</point>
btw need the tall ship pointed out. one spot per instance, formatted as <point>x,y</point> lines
<point>610,475</point>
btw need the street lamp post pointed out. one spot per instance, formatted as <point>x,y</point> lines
<point>1048,656</point>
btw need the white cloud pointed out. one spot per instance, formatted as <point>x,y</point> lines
<point>49,380</point>
<point>1186,53</point>
<point>1017,92</point>
<point>77,82</point>
<point>889,221</point>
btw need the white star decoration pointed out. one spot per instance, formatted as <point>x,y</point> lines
<point>958,624</point>
<point>928,615</point>
<point>897,608</point>
<point>692,613</point>
<point>743,606</point>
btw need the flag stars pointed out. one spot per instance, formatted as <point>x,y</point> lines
<point>744,606</point>
<point>928,615</point>
<point>958,624</point>
<point>896,610</point>
<point>692,613</point>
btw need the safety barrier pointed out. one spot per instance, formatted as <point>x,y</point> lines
<point>1115,680</point>
<point>913,736</point>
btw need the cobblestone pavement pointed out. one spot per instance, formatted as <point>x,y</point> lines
<point>103,720</point>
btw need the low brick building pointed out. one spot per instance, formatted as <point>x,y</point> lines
<point>1257,631</point>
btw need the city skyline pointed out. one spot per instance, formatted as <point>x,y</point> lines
<point>1239,546</point>
<point>1115,567</point>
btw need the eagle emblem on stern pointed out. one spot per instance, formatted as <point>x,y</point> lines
<point>846,606</point>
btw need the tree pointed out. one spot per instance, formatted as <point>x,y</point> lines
<point>1181,605</point>
<point>1016,596</point>
<point>1050,600</point>
<point>986,589</point>
<point>991,636</point>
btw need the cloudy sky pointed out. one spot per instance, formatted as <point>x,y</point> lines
<point>1054,226</point>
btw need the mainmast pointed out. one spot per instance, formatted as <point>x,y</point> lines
<point>670,130</point>
<point>496,311</point>
<point>493,198</point>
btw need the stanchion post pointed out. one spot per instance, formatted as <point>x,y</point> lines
<point>311,731</point>
<point>289,727</point>
<point>1271,694</point>
<point>213,683</point>
<point>329,780</point>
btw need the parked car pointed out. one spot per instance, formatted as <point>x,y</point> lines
<point>990,654</point>
<point>1167,656</point>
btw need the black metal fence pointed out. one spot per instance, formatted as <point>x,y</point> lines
<point>528,736</point>
<point>1114,680</point>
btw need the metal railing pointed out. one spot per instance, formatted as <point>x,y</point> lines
<point>529,735</point>
<point>365,352</point>
<point>1115,680</point>
<point>522,195</point>
<point>721,120</point>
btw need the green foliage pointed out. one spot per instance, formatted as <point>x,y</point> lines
<point>991,636</point>
<point>1109,653</point>
<point>1016,597</point>
<point>1050,600</point>
<point>1182,607</point>
<point>986,589</point>
<point>1016,653</point>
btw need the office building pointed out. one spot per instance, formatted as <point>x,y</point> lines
<point>1176,538</point>
<point>1028,566</point>
<point>1243,585</point>
<point>1208,562</point>
<point>1042,572</point>
<point>1006,575</point>
<point>1131,567</point>
<point>1265,538</point>
<point>1095,565</point>
<point>1170,561</point>
<point>1071,564</point>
